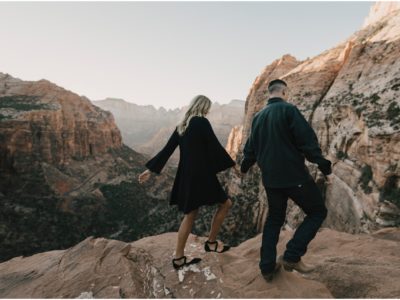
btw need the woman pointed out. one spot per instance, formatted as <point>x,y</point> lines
<point>196,183</point>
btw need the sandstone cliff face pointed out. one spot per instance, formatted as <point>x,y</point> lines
<point>147,129</point>
<point>65,174</point>
<point>101,268</point>
<point>351,96</point>
<point>41,121</point>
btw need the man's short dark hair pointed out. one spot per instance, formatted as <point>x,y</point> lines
<point>276,85</point>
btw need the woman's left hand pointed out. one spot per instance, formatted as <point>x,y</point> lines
<point>144,176</point>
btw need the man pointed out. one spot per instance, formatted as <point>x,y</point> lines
<point>279,141</point>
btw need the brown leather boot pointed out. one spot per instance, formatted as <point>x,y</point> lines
<point>268,276</point>
<point>298,266</point>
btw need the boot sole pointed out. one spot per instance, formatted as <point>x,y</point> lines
<point>285,266</point>
<point>269,277</point>
<point>288,268</point>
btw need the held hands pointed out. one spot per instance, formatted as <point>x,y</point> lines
<point>144,176</point>
<point>236,168</point>
<point>329,179</point>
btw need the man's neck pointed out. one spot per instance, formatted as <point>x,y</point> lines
<point>277,96</point>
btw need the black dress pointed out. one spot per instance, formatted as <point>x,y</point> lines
<point>201,158</point>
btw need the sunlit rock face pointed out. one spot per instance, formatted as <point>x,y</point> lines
<point>350,94</point>
<point>380,10</point>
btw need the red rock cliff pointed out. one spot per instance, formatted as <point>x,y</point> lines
<point>43,122</point>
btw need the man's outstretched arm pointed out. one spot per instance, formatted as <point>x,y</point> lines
<point>306,140</point>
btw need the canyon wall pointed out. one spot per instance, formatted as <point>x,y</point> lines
<point>350,94</point>
<point>65,173</point>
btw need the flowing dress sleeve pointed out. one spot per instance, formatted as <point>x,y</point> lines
<point>219,159</point>
<point>157,163</point>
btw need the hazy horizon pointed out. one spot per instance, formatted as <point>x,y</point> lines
<point>164,53</point>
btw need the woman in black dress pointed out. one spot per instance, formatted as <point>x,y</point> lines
<point>196,183</point>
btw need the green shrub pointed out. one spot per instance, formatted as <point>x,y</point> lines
<point>390,191</point>
<point>393,111</point>
<point>21,102</point>
<point>374,98</point>
<point>341,155</point>
<point>3,117</point>
<point>396,87</point>
<point>359,110</point>
<point>365,178</point>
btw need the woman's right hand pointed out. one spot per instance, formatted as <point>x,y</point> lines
<point>144,176</point>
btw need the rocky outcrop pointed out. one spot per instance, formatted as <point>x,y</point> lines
<point>235,139</point>
<point>147,129</point>
<point>351,96</point>
<point>100,268</point>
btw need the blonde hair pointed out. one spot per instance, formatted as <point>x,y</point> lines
<point>199,106</point>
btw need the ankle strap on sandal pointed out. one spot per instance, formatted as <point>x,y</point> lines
<point>184,257</point>
<point>215,242</point>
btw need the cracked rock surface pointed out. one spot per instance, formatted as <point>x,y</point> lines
<point>347,266</point>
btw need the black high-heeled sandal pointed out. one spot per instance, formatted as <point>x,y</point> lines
<point>191,262</point>
<point>207,247</point>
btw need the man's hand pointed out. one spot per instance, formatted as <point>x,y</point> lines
<point>236,168</point>
<point>329,179</point>
<point>144,176</point>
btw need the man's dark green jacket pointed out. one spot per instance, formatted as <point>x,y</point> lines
<point>279,141</point>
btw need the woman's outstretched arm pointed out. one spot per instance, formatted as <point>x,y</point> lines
<point>157,163</point>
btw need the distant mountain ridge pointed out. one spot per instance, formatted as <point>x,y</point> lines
<point>146,129</point>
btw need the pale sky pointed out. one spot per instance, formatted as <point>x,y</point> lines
<point>164,53</point>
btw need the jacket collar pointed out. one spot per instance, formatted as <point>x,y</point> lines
<point>274,99</point>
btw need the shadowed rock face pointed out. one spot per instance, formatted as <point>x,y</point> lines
<point>364,267</point>
<point>65,174</point>
<point>351,96</point>
<point>147,129</point>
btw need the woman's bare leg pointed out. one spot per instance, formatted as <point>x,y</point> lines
<point>184,231</point>
<point>218,219</point>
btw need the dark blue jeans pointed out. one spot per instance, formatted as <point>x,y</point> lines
<point>308,197</point>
